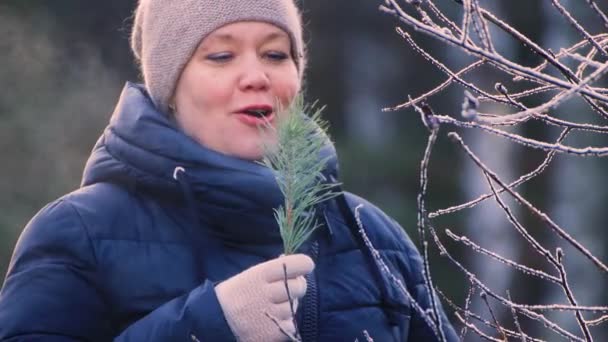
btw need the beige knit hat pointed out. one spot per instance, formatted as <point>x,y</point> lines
<point>167,32</point>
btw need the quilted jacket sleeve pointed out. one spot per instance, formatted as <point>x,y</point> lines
<point>174,321</point>
<point>51,292</point>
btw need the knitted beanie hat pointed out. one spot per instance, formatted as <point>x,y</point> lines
<point>167,32</point>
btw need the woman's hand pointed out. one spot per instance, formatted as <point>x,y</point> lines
<point>253,298</point>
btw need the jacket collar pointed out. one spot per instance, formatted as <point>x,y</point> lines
<point>142,148</point>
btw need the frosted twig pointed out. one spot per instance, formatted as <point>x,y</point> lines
<point>527,270</point>
<point>560,98</point>
<point>512,119</point>
<point>517,118</point>
<point>564,280</point>
<point>516,183</point>
<point>577,26</point>
<point>541,52</point>
<point>445,19</point>
<point>537,246</point>
<point>586,151</point>
<point>484,32</point>
<point>525,93</point>
<point>484,298</point>
<point>497,60</point>
<point>387,271</point>
<point>528,42</point>
<point>468,313</point>
<point>525,309</point>
<point>581,70</point>
<point>477,331</point>
<point>474,18</point>
<point>422,219</point>
<point>572,48</point>
<point>466,21</point>
<point>445,69</point>
<point>571,125</point>
<point>435,90</point>
<point>424,16</point>
<point>599,12</point>
<point>598,321</point>
<point>525,40</point>
<point>556,228</point>
<point>516,320</point>
<point>585,60</point>
<point>563,307</point>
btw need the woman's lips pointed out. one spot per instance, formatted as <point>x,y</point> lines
<point>258,114</point>
<point>255,121</point>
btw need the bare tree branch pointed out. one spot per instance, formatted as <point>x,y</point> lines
<point>577,26</point>
<point>582,68</point>
<point>557,229</point>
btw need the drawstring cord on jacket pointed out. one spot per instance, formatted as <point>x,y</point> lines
<point>179,175</point>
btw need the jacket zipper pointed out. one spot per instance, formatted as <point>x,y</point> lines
<point>310,307</point>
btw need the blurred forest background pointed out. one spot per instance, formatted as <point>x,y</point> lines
<point>63,64</point>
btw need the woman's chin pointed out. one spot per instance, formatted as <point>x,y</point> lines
<point>245,147</point>
<point>255,149</point>
<point>252,153</point>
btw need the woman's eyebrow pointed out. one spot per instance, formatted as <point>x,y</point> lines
<point>230,38</point>
<point>275,36</point>
<point>215,37</point>
<point>221,37</point>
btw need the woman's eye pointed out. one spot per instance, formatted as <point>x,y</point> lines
<point>220,57</point>
<point>277,55</point>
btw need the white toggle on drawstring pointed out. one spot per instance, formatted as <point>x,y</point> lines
<point>176,170</point>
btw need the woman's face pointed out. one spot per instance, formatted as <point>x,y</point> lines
<point>232,85</point>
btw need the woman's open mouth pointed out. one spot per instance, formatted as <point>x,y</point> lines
<point>256,115</point>
<point>260,113</point>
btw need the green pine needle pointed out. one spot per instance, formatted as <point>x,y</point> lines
<point>297,165</point>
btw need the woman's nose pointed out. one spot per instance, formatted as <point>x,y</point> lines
<point>254,77</point>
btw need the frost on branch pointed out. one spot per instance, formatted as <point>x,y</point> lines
<point>576,71</point>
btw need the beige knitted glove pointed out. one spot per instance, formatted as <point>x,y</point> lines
<point>249,295</point>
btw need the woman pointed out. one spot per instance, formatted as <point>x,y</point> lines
<point>172,234</point>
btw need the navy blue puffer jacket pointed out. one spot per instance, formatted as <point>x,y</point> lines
<point>134,254</point>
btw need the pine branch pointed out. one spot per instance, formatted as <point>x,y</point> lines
<point>297,164</point>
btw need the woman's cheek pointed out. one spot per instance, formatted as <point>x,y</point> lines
<point>289,92</point>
